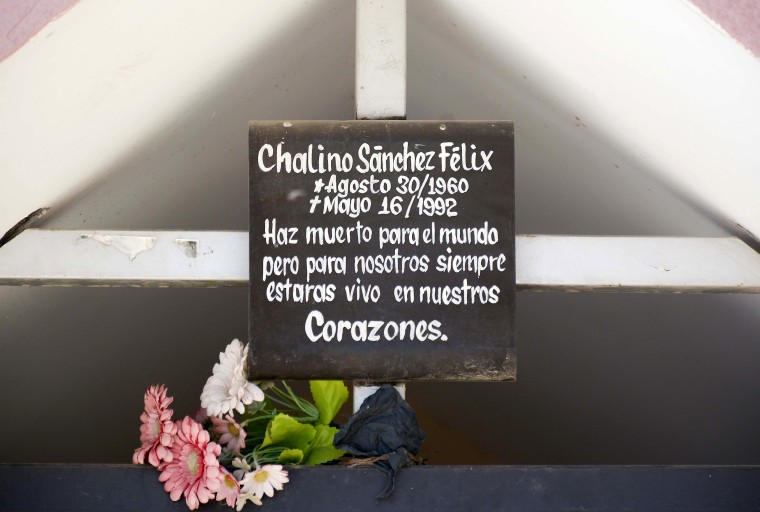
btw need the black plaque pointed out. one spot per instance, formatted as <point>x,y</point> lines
<point>382,250</point>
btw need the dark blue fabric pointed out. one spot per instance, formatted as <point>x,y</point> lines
<point>384,425</point>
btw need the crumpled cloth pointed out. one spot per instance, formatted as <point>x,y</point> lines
<point>384,425</point>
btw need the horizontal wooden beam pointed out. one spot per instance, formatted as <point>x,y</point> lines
<point>126,258</point>
<point>220,258</point>
<point>637,264</point>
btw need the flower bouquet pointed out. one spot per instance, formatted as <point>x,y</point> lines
<point>235,447</point>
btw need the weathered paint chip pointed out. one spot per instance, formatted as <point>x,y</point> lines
<point>187,246</point>
<point>129,245</point>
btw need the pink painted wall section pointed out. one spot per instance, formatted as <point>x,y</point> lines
<point>21,19</point>
<point>740,18</point>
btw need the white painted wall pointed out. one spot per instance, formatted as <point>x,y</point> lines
<point>655,79</point>
<point>128,120</point>
<point>97,83</point>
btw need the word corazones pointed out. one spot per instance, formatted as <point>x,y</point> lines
<point>319,329</point>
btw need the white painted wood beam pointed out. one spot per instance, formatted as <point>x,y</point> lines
<point>380,59</point>
<point>126,258</point>
<point>380,88</point>
<point>636,264</point>
<point>220,258</point>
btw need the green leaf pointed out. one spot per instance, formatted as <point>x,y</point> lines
<point>321,449</point>
<point>329,396</point>
<point>294,456</point>
<point>286,431</point>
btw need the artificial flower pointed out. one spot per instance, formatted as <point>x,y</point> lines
<point>232,434</point>
<point>189,453</point>
<point>242,498</point>
<point>229,488</point>
<point>264,480</point>
<point>157,429</point>
<point>228,388</point>
<point>194,470</point>
<point>242,467</point>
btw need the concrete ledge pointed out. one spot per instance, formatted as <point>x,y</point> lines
<point>333,488</point>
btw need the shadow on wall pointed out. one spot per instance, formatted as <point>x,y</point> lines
<point>627,379</point>
<point>76,361</point>
<point>612,379</point>
<point>193,172</point>
<point>571,177</point>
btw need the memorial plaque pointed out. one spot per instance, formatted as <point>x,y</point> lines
<point>382,250</point>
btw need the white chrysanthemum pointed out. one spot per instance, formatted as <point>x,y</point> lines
<point>264,480</point>
<point>228,388</point>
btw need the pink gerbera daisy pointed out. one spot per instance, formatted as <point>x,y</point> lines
<point>194,470</point>
<point>157,429</point>
<point>232,434</point>
<point>229,488</point>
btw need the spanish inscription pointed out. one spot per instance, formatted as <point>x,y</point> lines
<point>382,250</point>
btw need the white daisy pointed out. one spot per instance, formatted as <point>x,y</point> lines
<point>228,388</point>
<point>264,480</point>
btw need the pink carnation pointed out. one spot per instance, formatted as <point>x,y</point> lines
<point>194,470</point>
<point>157,429</point>
<point>232,434</point>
